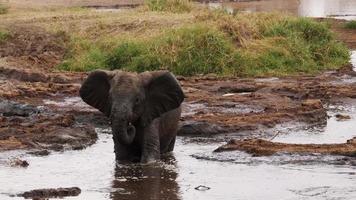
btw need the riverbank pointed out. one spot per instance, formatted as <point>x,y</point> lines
<point>33,51</point>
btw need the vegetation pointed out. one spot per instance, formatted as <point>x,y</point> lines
<point>257,44</point>
<point>176,6</point>
<point>351,24</point>
<point>3,35</point>
<point>3,9</point>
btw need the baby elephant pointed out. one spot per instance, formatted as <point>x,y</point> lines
<point>144,110</point>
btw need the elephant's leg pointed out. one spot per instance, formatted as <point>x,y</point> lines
<point>171,145</point>
<point>127,153</point>
<point>151,143</point>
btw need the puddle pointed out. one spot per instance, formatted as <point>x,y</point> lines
<point>341,9</point>
<point>335,131</point>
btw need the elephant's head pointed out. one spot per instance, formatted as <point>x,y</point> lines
<point>131,99</point>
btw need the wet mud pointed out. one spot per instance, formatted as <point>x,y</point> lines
<point>218,105</point>
<point>50,193</point>
<point>259,147</point>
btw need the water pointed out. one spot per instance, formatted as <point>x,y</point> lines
<point>353,59</point>
<point>341,9</point>
<point>335,131</point>
<point>95,172</point>
<point>229,175</point>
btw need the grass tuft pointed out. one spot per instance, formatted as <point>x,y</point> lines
<point>350,24</point>
<point>3,35</point>
<point>175,6</point>
<point>3,9</point>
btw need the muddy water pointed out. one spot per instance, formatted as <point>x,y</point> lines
<point>344,9</point>
<point>222,175</point>
<point>335,131</point>
<point>193,171</point>
<point>353,59</point>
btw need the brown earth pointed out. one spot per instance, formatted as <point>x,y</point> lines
<point>259,147</point>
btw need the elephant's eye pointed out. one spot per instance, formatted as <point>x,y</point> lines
<point>137,101</point>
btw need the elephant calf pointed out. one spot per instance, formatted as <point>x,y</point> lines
<point>144,110</point>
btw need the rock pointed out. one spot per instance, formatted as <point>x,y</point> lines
<point>341,117</point>
<point>51,193</point>
<point>202,188</point>
<point>19,163</point>
<point>11,108</point>
<point>196,128</point>
<point>312,111</point>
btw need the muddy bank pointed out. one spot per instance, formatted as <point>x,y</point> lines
<point>259,147</point>
<point>44,114</point>
<point>28,127</point>
<point>42,110</point>
<point>51,193</point>
<point>221,105</point>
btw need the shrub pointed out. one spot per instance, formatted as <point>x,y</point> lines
<point>186,51</point>
<point>176,6</point>
<point>84,56</point>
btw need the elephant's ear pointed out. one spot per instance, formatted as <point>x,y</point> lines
<point>95,91</point>
<point>163,93</point>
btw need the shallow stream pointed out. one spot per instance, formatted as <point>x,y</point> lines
<point>193,171</point>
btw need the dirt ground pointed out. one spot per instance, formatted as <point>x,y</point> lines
<point>29,84</point>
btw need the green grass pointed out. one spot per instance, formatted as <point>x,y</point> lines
<point>84,55</point>
<point>350,24</point>
<point>3,9</point>
<point>175,6</point>
<point>3,35</point>
<point>257,44</point>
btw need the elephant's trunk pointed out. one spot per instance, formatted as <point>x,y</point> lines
<point>123,132</point>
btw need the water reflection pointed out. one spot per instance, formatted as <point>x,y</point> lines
<point>345,9</point>
<point>157,181</point>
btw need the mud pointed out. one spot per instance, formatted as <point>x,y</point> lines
<point>218,105</point>
<point>33,46</point>
<point>259,147</point>
<point>50,193</point>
